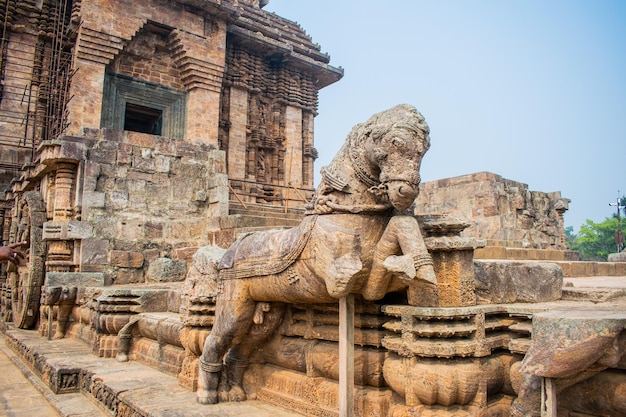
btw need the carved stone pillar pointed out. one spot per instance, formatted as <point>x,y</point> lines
<point>560,206</point>
<point>60,252</point>
<point>237,133</point>
<point>6,223</point>
<point>293,142</point>
<point>309,153</point>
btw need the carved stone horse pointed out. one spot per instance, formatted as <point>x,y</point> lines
<point>352,240</point>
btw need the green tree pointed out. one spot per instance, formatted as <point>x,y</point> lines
<point>595,241</point>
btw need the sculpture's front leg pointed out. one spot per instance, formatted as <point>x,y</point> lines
<point>409,267</point>
<point>208,374</point>
<point>335,252</point>
<point>401,252</point>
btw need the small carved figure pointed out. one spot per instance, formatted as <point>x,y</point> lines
<point>354,239</point>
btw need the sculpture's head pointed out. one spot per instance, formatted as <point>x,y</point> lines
<point>392,144</point>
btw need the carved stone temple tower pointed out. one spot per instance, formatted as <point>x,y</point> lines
<point>126,127</point>
<point>126,118</point>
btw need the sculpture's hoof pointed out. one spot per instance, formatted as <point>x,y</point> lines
<point>427,274</point>
<point>237,394</point>
<point>402,265</point>
<point>223,396</point>
<point>121,357</point>
<point>207,397</point>
<point>58,336</point>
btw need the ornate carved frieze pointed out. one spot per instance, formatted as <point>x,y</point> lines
<point>278,82</point>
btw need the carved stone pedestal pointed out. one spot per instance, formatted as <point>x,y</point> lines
<point>453,258</point>
<point>198,322</point>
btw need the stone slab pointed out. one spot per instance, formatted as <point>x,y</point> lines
<point>517,282</point>
<point>74,279</point>
<point>133,387</point>
<point>568,342</point>
<point>72,230</point>
<point>596,282</point>
<point>617,257</point>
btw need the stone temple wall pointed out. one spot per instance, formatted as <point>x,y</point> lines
<point>504,212</point>
<point>147,201</point>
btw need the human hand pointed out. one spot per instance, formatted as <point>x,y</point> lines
<point>12,253</point>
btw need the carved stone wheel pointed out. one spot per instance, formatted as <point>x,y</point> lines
<point>26,280</point>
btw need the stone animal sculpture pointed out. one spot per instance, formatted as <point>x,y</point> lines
<point>354,239</point>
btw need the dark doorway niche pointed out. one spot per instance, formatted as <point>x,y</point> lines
<point>141,106</point>
<point>143,119</point>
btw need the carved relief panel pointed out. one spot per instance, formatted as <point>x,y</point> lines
<point>271,155</point>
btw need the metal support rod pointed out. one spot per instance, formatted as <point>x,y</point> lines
<point>346,356</point>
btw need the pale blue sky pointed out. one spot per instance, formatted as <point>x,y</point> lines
<point>533,90</point>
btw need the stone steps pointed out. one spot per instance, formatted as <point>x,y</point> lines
<point>83,385</point>
<point>266,209</point>
<point>259,217</point>
<point>566,259</point>
<point>239,221</point>
<point>263,213</point>
<point>592,269</point>
<point>524,254</point>
<point>23,394</point>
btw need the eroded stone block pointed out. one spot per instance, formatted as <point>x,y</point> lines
<point>94,199</point>
<point>74,279</point>
<point>126,259</point>
<point>517,282</point>
<point>94,251</point>
<point>167,270</point>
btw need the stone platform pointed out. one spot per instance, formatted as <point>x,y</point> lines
<point>77,383</point>
<point>65,378</point>
<point>20,392</point>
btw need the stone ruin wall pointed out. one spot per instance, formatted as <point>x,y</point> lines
<point>504,212</point>
<point>240,93</point>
